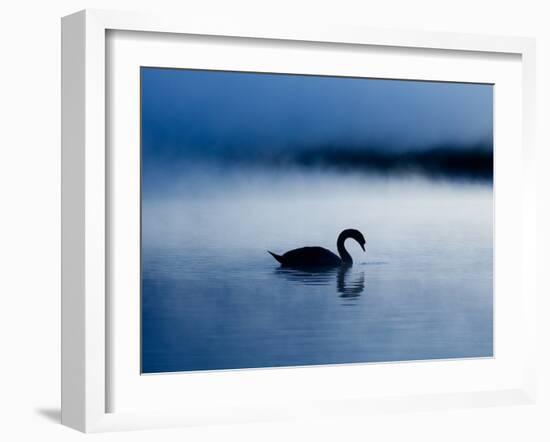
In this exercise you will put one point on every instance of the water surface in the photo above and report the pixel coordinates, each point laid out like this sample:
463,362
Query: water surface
213,298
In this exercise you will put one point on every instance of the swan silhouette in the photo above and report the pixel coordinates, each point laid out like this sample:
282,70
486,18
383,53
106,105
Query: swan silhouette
307,257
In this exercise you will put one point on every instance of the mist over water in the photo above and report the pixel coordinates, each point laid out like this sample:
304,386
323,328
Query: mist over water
213,298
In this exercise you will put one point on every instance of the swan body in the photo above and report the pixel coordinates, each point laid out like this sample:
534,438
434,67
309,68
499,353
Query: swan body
306,257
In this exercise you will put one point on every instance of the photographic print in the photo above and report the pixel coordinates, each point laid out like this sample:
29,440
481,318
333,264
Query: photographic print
300,220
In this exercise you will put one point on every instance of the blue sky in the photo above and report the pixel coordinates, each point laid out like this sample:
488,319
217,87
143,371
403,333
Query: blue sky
189,114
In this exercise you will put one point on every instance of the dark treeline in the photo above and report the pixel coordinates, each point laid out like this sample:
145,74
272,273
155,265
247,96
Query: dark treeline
474,162
441,162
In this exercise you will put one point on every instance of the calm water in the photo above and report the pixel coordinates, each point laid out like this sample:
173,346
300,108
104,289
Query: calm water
212,298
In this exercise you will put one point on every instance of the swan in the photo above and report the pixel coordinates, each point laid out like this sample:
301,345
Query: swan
319,256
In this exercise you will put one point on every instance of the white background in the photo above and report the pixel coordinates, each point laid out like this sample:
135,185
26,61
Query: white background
30,219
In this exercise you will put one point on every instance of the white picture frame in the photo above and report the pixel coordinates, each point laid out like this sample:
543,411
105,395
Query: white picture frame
86,202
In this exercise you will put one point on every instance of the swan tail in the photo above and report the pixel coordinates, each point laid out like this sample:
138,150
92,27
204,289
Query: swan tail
277,257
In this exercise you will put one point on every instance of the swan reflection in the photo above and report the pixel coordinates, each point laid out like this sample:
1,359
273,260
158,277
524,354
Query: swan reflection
349,284
349,287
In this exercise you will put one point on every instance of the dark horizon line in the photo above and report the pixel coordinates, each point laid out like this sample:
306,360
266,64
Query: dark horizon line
444,161
475,162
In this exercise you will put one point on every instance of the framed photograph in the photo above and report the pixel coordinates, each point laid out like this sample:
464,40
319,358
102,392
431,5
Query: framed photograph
263,222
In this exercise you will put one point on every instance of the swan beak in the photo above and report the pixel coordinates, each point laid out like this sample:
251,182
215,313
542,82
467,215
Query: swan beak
363,247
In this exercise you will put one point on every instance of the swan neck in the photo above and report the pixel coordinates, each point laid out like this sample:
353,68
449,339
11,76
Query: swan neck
344,255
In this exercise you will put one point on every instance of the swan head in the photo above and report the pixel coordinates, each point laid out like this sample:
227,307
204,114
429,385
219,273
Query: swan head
354,234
